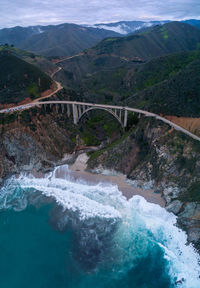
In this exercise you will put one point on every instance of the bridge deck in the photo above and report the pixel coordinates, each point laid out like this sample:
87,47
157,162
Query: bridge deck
146,113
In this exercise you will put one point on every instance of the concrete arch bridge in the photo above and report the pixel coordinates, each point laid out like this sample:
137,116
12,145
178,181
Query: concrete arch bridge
78,109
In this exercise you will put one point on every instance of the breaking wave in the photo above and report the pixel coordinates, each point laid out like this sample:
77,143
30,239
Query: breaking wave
115,237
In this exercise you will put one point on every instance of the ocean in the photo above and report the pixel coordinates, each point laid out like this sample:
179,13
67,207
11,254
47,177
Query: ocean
67,233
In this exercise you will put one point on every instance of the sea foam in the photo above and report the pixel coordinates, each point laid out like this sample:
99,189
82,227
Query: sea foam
142,225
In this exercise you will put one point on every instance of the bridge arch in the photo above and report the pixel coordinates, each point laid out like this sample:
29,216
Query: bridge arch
105,109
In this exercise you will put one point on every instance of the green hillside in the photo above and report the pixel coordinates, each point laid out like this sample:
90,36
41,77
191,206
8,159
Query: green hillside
54,40
41,62
87,65
65,40
179,95
160,40
154,85
19,79
134,50
16,35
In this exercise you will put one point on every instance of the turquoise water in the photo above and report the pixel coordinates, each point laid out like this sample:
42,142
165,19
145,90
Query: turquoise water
65,233
32,253
35,255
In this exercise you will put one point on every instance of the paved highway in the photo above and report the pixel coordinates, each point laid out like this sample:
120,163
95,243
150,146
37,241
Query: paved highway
146,113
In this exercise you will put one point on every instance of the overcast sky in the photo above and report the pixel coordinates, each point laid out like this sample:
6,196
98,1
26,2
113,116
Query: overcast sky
34,12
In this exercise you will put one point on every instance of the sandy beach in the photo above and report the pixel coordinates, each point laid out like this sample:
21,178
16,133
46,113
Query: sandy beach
78,171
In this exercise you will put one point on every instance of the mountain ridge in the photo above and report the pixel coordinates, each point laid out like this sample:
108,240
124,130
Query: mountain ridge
68,39
129,27
134,49
54,40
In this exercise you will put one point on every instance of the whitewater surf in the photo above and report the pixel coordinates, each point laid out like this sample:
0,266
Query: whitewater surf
103,239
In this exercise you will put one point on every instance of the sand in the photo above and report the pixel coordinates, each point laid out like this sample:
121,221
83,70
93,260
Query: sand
78,171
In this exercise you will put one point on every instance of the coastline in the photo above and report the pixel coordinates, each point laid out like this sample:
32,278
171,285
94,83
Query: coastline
78,171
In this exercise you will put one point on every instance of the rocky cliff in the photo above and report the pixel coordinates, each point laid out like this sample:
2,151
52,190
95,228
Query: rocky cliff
39,138
34,140
151,154
154,155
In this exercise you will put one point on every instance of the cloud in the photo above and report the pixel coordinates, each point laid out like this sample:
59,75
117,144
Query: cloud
43,12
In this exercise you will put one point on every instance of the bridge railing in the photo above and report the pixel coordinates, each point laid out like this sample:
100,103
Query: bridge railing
121,116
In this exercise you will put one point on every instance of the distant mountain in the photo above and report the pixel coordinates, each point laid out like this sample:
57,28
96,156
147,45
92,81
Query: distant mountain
128,27
114,52
193,22
149,70
59,40
159,40
20,80
17,35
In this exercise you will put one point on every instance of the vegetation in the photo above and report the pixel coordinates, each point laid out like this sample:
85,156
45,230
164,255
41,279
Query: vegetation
140,70
19,80
99,127
134,49
146,85
178,95
59,40
41,62
7,118
178,37
95,155
192,194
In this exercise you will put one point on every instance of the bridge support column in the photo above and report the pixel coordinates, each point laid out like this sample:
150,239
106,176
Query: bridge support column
57,108
68,110
63,108
120,114
79,111
75,113
125,118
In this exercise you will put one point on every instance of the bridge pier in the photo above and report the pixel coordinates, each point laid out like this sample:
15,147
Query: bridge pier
125,118
84,108
62,108
79,111
120,114
57,108
75,113
68,110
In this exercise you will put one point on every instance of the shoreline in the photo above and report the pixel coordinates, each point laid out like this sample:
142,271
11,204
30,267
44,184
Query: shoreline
78,171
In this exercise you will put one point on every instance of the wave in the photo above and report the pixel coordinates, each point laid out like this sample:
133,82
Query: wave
113,232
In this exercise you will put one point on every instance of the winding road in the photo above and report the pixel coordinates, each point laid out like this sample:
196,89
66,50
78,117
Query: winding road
93,106
58,85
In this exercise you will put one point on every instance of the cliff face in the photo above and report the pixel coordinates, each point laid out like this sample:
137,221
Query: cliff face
34,140
150,154
38,138
154,155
